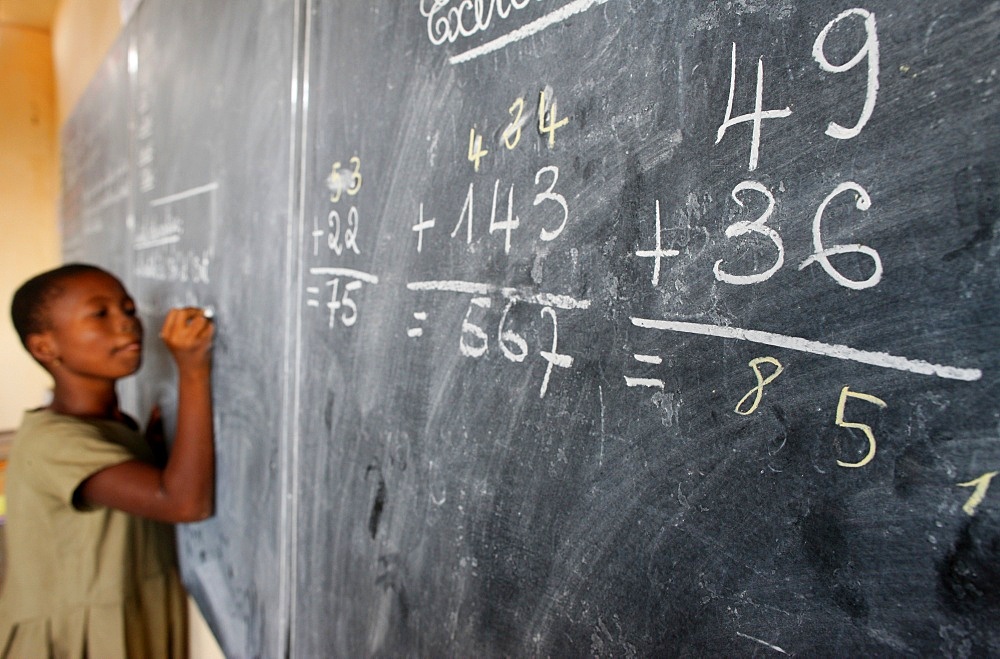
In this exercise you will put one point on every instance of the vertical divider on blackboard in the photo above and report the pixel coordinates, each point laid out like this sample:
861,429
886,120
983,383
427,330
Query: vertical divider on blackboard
293,321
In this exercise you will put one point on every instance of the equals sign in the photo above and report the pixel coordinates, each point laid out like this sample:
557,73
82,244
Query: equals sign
645,382
312,290
415,332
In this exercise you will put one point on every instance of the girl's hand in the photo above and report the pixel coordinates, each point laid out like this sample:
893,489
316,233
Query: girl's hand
188,334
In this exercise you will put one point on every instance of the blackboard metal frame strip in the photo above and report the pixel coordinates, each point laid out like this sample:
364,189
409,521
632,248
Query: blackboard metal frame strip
289,441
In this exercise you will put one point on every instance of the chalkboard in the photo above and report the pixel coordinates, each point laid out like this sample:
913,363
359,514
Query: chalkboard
586,327
96,204
207,136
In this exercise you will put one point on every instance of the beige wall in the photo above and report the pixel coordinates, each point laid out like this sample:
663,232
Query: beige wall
28,194
82,33
42,76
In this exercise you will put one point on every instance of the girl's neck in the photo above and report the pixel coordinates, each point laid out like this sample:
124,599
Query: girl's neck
99,403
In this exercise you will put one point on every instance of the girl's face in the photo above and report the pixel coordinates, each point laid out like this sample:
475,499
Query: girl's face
95,332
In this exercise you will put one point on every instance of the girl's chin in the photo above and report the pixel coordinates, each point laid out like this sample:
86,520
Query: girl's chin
131,364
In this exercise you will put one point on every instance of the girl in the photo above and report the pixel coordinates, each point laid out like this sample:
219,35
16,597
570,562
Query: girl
92,568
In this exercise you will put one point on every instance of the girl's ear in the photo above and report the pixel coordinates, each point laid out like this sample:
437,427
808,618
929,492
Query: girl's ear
42,347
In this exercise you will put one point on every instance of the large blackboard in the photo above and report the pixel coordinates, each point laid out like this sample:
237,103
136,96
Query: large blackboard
583,327
206,134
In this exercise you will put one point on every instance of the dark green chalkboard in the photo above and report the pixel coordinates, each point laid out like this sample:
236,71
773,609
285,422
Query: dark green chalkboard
589,328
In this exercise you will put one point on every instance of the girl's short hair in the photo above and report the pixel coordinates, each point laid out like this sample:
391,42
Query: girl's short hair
29,309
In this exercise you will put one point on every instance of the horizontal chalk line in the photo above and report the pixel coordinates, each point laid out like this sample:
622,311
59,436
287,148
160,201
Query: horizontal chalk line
643,382
473,288
156,242
881,359
186,194
534,27
347,273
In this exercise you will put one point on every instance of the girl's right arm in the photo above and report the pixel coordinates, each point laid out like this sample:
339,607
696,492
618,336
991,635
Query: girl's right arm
184,489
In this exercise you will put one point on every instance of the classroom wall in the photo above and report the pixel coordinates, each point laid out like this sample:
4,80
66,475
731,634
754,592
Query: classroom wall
82,33
42,74
28,199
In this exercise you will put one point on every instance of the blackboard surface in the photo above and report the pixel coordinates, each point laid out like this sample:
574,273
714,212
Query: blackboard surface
584,327
96,205
214,90
207,137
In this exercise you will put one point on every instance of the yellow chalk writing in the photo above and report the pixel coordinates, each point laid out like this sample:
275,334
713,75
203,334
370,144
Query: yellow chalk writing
981,484
846,393
758,391
476,150
547,119
335,181
512,134
355,176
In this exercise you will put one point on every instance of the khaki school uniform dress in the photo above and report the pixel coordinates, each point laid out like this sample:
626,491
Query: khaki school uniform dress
95,583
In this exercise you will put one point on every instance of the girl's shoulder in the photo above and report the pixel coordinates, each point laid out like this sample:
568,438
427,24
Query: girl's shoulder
45,421
54,452
47,433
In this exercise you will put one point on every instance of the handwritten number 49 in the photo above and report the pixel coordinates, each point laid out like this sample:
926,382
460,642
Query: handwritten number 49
868,52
